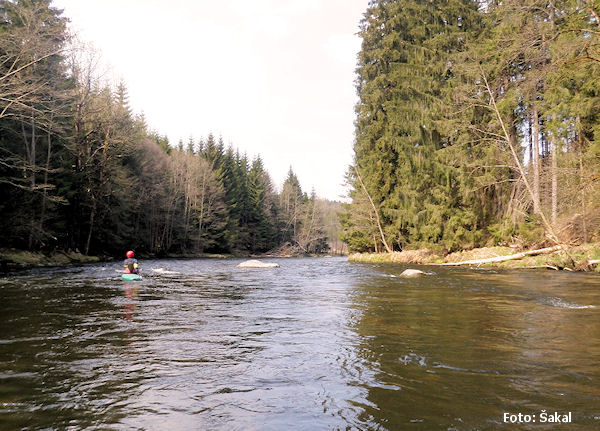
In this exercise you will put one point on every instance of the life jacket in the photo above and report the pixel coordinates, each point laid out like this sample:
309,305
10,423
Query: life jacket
131,266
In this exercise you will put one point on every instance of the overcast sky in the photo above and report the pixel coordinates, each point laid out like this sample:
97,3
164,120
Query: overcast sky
273,77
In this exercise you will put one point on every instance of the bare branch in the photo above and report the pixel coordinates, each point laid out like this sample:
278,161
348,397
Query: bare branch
385,244
549,228
31,63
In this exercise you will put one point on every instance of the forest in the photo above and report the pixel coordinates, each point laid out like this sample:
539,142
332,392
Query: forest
476,125
80,171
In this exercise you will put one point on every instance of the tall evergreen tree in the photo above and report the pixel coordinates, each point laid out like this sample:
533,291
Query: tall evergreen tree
404,74
262,214
291,202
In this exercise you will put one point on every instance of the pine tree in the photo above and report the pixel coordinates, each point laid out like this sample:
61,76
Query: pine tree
262,213
404,73
291,201
122,96
213,152
228,176
191,146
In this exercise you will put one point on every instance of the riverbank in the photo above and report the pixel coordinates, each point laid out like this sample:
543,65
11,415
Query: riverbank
20,259
13,259
554,260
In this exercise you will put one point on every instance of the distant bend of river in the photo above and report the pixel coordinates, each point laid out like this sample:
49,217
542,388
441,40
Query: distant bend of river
318,343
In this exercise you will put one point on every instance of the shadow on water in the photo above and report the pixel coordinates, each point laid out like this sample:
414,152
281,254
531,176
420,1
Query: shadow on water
315,344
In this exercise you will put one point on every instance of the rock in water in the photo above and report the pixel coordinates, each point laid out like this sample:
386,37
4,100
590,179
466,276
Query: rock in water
412,273
258,264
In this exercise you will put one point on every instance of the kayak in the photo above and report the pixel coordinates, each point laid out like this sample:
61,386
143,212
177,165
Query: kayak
131,277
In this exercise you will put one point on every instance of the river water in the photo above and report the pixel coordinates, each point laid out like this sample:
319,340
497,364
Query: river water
315,344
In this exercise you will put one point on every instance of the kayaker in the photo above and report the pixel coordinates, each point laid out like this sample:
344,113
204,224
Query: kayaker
131,265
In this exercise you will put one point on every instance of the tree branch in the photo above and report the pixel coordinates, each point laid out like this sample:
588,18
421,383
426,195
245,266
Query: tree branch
385,244
31,63
549,228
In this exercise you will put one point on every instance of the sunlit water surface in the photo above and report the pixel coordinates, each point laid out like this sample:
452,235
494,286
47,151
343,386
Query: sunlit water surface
315,344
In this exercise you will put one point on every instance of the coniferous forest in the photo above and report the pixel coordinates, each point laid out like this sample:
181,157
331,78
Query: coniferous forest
476,125
79,171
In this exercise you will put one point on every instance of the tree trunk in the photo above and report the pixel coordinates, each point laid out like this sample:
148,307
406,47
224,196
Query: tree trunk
521,170
554,173
385,244
45,193
33,155
530,128
582,182
536,159
92,216
32,166
504,258
203,204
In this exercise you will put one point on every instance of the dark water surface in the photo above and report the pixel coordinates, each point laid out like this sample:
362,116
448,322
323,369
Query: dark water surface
315,344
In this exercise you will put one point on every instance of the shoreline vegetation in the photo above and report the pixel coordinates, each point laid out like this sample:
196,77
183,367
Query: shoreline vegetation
13,259
481,146
586,257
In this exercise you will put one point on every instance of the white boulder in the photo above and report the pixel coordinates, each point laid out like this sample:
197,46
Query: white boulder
258,264
412,273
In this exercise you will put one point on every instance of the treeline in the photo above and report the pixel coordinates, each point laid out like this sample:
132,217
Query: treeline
476,124
80,171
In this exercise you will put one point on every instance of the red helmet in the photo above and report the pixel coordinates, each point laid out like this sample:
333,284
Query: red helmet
129,254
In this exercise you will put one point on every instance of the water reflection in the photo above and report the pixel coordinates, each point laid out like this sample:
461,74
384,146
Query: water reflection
457,350
131,293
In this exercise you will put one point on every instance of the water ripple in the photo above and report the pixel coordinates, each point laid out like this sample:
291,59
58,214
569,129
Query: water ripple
317,344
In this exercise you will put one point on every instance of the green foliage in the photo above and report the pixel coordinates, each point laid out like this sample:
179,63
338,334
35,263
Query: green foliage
404,77
302,219
79,171
499,232
436,157
529,231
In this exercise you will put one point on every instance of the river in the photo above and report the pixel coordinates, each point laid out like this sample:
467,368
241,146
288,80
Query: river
318,343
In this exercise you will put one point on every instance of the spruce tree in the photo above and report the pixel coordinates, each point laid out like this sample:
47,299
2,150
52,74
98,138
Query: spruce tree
404,73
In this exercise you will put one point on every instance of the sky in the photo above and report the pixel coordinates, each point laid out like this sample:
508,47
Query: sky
273,78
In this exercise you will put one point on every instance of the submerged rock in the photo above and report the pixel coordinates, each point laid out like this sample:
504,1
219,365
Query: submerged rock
412,273
258,264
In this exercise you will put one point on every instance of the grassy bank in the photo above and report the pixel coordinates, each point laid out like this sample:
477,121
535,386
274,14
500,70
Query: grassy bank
556,260
18,259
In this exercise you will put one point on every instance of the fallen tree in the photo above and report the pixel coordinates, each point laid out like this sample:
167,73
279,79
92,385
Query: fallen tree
504,258
587,264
